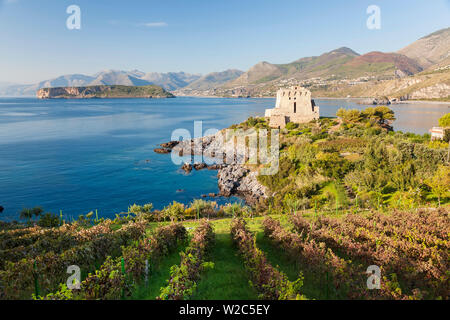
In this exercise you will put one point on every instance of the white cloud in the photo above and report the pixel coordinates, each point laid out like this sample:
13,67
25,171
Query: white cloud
154,24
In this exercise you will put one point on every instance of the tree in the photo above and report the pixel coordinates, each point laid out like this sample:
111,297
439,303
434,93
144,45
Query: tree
203,207
352,115
26,213
384,114
174,211
445,121
404,176
381,114
291,202
440,182
49,220
37,211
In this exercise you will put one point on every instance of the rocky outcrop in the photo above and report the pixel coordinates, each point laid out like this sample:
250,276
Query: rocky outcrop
170,144
115,91
187,167
376,101
162,150
200,166
234,179
166,147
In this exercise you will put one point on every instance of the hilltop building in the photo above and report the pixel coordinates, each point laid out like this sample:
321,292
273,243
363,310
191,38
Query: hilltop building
293,104
437,133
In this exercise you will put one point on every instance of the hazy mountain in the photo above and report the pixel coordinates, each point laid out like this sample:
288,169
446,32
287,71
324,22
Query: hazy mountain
172,80
72,80
169,81
6,84
214,79
429,50
113,77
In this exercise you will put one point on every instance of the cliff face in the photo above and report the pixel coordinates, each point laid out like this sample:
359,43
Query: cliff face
150,91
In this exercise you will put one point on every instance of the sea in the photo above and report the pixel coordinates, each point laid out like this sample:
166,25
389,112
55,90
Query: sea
77,156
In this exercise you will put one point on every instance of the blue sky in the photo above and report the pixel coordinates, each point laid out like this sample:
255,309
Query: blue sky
197,36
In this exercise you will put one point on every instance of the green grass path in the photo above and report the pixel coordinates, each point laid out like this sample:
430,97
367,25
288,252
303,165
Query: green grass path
228,280
158,277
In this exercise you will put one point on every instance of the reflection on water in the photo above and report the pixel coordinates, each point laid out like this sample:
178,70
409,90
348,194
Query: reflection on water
82,155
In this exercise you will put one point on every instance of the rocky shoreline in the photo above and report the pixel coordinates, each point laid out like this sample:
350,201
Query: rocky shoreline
234,179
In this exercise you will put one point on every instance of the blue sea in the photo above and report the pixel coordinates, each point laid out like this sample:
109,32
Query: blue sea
77,156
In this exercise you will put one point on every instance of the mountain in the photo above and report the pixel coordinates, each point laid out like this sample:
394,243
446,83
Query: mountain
429,50
214,79
113,77
172,80
379,63
300,69
340,63
169,81
71,80
263,71
327,74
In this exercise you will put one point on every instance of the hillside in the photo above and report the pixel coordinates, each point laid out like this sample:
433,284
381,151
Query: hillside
429,50
103,91
379,63
423,86
300,69
337,64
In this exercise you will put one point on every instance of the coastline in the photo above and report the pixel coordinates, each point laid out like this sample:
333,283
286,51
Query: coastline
321,98
234,179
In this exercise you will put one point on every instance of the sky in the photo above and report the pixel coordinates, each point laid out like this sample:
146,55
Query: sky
198,36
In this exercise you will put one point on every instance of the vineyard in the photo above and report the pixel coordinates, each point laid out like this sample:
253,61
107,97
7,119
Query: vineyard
292,256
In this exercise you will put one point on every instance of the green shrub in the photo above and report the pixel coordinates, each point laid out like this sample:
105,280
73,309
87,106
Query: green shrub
49,220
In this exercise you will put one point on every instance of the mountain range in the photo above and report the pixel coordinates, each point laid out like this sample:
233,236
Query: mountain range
342,66
169,81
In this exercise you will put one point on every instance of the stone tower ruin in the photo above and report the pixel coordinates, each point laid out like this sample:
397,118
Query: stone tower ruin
293,104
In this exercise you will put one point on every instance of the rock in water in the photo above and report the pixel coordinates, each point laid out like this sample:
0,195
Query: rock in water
169,145
233,179
199,166
187,167
162,150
